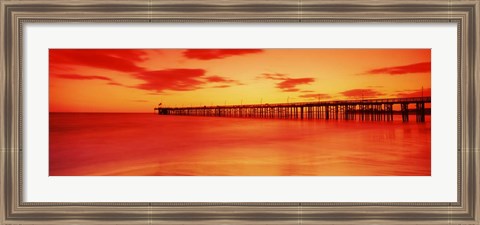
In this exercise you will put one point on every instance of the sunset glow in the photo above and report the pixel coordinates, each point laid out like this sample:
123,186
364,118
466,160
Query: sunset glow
136,80
216,112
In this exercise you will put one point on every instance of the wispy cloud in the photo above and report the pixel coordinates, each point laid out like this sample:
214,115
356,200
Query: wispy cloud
181,79
82,77
362,93
273,76
219,79
222,86
171,79
115,83
416,93
209,54
423,67
123,60
316,96
290,84
79,77
286,83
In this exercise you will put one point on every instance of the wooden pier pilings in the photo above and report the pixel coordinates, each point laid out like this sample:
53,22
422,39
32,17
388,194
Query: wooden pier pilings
367,110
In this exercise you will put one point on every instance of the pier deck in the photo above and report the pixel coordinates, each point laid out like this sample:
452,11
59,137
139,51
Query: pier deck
368,109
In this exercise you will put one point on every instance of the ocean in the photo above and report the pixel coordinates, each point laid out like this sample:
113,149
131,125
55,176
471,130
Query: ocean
147,144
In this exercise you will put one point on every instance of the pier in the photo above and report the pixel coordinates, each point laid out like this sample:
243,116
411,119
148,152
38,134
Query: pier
366,110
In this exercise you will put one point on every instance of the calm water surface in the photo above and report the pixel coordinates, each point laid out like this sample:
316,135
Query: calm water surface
150,144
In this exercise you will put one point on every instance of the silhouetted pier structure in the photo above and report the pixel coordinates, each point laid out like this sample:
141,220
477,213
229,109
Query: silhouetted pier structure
368,109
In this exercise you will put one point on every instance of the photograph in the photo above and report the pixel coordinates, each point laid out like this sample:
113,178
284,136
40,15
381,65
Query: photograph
239,112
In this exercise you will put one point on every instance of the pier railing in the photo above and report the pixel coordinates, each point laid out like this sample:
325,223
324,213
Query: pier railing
364,109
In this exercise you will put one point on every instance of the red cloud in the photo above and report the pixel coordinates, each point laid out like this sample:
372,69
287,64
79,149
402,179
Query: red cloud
423,67
219,79
362,93
123,60
82,77
316,96
171,79
208,54
290,90
168,79
417,93
287,84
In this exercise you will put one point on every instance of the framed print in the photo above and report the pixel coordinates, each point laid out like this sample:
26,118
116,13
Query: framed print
227,144
178,112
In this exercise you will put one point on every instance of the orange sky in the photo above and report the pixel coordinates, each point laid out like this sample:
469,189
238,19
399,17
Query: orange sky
136,80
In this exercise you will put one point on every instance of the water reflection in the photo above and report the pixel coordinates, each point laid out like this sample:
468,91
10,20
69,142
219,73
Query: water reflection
148,144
